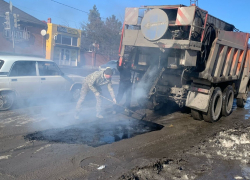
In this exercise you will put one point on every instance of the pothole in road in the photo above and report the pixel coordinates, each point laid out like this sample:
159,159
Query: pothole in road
95,134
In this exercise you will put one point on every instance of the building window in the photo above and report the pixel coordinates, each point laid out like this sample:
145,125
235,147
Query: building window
58,39
66,40
74,41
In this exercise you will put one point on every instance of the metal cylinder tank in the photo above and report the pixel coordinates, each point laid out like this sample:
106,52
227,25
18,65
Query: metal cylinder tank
154,24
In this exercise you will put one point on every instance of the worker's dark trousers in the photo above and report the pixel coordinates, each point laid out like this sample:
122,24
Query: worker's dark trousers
125,87
84,91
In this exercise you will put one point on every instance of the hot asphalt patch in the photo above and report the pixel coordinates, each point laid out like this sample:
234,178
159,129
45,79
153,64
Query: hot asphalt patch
95,133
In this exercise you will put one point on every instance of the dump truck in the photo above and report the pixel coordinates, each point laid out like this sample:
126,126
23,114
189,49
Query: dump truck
185,55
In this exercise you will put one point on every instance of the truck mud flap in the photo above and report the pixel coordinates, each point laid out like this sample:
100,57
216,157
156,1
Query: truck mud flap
198,100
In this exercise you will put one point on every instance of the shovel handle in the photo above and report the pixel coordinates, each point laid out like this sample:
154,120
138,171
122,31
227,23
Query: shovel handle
143,115
107,99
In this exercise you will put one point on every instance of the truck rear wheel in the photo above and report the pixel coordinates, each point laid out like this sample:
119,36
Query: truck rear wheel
227,100
215,106
197,115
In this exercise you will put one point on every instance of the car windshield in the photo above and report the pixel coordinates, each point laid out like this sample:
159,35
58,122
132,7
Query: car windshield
1,63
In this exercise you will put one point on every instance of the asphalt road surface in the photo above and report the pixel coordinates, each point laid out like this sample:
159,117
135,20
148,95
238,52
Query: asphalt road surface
44,141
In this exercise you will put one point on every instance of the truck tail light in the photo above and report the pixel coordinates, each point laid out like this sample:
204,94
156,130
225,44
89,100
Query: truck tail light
202,90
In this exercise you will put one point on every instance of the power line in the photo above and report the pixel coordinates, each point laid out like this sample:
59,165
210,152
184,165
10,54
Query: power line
70,7
73,8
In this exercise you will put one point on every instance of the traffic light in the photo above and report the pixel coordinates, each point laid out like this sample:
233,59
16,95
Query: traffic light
7,21
16,20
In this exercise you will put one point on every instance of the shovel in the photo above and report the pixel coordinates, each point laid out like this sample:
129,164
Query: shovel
142,115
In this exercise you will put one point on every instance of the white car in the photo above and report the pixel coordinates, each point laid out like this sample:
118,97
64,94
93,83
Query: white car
111,64
24,77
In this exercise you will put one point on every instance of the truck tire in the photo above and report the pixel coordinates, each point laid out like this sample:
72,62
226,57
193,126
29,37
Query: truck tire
215,106
197,115
227,100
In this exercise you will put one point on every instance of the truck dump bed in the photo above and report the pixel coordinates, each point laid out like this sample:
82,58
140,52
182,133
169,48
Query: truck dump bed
226,57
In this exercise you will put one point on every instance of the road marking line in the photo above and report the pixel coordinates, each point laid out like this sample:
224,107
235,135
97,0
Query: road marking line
5,157
48,145
23,145
25,122
19,154
19,147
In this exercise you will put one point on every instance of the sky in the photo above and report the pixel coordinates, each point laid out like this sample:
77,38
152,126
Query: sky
231,11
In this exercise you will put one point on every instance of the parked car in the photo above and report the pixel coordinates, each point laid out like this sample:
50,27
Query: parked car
112,64
29,77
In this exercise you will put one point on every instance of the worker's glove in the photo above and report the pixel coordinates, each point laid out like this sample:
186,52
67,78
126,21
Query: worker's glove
97,94
114,100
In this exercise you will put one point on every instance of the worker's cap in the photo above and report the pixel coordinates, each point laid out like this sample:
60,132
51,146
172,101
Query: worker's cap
108,71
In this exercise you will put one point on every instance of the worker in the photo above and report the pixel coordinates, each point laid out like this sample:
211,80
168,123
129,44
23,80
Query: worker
125,85
93,82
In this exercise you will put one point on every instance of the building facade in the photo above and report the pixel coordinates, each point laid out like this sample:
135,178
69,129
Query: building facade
63,44
93,59
20,33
